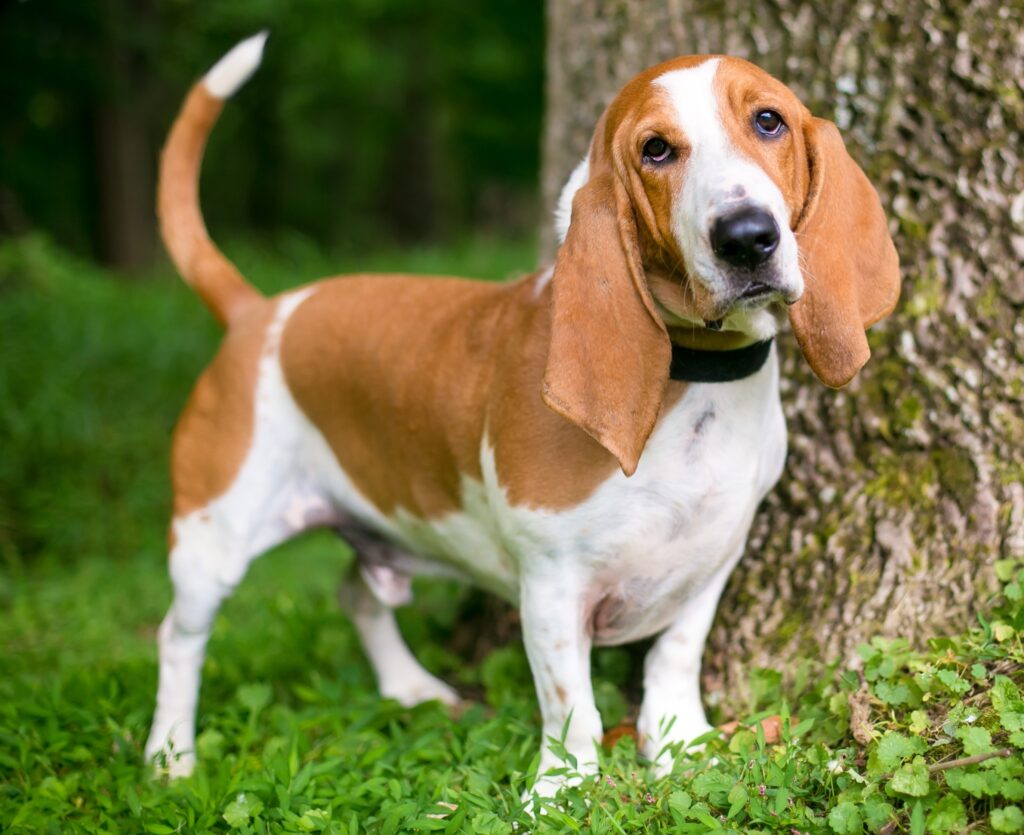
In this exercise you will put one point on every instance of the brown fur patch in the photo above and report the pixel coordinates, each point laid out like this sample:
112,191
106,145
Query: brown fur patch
393,370
851,269
403,375
200,262
215,429
543,460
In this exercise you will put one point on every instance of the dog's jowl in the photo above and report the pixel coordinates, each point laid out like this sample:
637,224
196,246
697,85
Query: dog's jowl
590,442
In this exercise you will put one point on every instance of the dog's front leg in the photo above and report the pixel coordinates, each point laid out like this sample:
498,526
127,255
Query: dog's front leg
558,646
672,711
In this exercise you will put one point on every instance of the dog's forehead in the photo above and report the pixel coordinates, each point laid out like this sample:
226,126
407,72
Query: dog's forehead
695,87
693,99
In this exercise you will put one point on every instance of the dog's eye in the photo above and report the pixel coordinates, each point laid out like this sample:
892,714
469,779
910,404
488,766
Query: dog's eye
657,150
768,123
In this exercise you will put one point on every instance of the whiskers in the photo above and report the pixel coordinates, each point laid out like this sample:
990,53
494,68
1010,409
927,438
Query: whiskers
801,260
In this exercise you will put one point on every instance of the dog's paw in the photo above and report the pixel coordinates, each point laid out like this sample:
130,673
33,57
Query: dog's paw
170,765
170,751
544,791
553,775
413,691
181,765
659,749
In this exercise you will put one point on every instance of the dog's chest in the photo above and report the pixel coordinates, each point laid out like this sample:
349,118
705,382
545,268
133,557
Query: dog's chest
638,547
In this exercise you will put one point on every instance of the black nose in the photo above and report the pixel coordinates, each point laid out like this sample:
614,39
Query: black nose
745,238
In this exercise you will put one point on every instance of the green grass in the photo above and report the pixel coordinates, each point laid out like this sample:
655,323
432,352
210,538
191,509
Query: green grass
292,737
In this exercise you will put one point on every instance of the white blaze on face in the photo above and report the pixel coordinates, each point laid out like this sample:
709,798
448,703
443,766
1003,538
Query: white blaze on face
719,179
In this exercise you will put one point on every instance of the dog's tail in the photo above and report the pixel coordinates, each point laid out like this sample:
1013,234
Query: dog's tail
204,267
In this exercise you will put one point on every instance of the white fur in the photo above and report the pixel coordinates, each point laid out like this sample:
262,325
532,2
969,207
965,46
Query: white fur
662,541
672,711
563,210
236,67
542,280
399,674
718,179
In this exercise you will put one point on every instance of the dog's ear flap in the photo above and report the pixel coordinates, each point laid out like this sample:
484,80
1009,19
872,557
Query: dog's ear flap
849,263
609,356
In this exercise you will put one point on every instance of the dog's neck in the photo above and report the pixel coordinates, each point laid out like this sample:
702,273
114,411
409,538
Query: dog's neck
705,355
692,365
699,338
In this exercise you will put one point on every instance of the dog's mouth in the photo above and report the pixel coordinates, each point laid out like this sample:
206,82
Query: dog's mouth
754,296
727,306
756,290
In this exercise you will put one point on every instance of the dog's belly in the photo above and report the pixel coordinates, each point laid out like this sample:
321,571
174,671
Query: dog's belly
643,546
638,547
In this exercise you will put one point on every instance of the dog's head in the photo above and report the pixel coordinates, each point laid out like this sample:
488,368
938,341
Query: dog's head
710,198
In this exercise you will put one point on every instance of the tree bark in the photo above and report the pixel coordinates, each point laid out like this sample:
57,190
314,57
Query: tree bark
902,490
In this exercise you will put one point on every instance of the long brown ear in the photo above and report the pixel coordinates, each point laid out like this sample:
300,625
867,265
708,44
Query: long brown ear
850,267
609,356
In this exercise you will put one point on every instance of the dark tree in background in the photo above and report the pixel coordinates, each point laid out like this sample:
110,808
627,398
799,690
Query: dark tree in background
901,491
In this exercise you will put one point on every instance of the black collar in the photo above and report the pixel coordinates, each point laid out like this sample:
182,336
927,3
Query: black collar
690,365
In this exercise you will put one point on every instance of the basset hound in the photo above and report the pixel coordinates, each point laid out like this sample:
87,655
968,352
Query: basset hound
590,442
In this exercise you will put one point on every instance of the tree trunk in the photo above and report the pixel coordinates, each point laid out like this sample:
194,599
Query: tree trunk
124,168
901,491
125,175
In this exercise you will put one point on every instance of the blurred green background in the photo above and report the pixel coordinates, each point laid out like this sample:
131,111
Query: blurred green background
370,120
377,135
385,135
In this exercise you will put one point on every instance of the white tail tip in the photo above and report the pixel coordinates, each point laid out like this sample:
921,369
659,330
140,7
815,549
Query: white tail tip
235,68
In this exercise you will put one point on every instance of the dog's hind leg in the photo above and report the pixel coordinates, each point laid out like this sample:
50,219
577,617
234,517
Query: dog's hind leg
213,550
204,573
369,596
233,501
